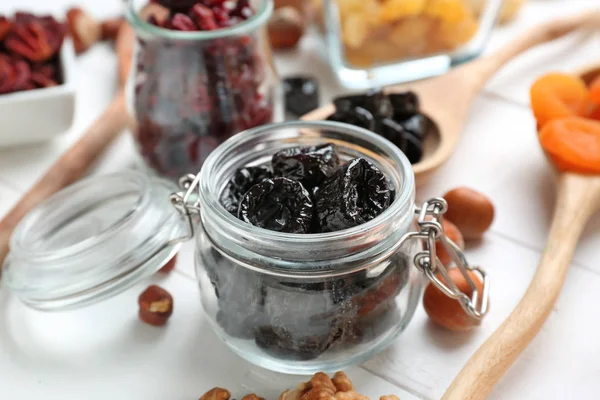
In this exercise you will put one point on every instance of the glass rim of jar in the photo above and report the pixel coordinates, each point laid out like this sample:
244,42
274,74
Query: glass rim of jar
209,194
260,17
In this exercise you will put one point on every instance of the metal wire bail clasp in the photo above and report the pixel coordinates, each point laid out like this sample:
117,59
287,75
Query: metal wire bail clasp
431,230
187,201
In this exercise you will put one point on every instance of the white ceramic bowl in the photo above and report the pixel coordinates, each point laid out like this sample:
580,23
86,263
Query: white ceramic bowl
41,114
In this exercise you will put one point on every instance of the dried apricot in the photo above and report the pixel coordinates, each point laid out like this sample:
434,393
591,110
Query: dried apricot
594,113
573,144
452,11
595,91
556,95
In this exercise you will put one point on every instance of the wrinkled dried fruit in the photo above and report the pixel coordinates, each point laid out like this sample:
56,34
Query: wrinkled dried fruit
356,193
5,27
446,311
169,266
357,116
216,394
471,211
278,204
556,95
301,94
418,125
110,28
285,28
573,144
240,183
404,104
252,396
204,17
83,28
35,38
181,22
156,305
594,89
283,343
374,101
389,397
392,131
309,165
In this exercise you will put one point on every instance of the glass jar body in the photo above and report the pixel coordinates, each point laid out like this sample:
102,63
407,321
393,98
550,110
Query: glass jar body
190,91
306,303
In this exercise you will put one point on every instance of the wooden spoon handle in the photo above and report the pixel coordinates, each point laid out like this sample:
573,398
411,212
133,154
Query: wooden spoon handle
578,198
485,67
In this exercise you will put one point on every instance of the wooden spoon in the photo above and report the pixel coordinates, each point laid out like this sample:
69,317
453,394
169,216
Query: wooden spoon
446,99
578,199
77,159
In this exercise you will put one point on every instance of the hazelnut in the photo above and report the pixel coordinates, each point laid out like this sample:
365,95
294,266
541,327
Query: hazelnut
341,382
83,28
216,394
169,266
110,28
285,28
156,305
448,312
472,212
452,232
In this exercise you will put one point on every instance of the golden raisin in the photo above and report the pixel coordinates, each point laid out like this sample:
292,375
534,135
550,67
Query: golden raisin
393,10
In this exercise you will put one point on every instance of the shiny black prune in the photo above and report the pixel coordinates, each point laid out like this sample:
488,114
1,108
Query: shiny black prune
356,116
418,125
392,131
240,183
356,193
278,204
309,165
404,104
414,149
374,101
301,95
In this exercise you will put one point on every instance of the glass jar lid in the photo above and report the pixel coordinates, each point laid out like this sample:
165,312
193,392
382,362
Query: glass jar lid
93,240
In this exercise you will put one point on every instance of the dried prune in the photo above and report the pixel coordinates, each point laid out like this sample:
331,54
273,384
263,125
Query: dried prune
309,165
240,183
392,131
404,104
301,94
414,149
278,204
357,116
374,101
356,193
417,124
281,343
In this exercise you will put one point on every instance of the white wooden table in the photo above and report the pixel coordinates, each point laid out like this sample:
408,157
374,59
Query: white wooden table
103,351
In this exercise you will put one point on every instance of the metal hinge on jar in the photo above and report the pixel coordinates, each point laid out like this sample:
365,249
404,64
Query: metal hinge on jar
429,221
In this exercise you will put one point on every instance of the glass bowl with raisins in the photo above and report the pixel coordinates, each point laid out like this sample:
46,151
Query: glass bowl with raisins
296,256
203,72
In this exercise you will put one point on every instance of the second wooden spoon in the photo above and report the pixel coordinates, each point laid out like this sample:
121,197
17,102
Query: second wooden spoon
446,99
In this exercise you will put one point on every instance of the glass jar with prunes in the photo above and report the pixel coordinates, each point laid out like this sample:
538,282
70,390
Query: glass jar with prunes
305,253
202,73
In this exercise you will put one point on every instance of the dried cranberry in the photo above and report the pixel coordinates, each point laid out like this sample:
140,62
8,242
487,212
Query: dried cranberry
278,204
309,165
7,74
243,10
357,116
35,40
204,17
22,75
240,183
355,194
181,22
5,27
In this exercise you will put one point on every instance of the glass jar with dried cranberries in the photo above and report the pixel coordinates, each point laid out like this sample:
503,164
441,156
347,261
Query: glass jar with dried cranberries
203,72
